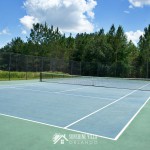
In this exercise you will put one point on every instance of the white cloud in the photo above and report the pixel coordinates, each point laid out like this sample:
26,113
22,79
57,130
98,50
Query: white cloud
139,3
127,12
134,36
5,32
69,15
130,6
24,32
28,21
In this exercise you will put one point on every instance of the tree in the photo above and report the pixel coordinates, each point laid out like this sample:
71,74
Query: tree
45,41
15,46
111,47
132,61
144,47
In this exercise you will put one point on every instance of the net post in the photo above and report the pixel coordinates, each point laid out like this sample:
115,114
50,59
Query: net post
92,81
40,76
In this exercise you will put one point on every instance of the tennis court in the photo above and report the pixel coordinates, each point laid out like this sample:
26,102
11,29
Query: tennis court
104,107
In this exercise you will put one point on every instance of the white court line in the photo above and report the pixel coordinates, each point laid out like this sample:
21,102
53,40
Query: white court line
75,122
69,90
75,89
7,87
41,123
35,84
23,84
121,132
90,133
76,95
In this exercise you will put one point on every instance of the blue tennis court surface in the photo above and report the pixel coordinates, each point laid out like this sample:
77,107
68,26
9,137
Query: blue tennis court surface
105,112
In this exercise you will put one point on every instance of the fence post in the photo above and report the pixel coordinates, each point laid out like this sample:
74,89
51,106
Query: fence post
9,65
147,70
71,67
42,65
26,67
49,65
97,69
80,68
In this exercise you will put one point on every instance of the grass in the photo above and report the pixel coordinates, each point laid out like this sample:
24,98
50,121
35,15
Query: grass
15,75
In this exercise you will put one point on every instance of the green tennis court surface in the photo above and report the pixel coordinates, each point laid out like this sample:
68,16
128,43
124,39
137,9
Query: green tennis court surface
32,113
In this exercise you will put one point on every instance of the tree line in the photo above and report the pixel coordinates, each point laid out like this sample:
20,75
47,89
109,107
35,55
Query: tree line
111,50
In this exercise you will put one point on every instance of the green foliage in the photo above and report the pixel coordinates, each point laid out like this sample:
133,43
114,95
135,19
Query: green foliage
16,46
4,75
110,49
144,47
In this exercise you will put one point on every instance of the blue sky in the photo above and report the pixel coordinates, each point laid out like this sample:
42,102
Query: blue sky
17,16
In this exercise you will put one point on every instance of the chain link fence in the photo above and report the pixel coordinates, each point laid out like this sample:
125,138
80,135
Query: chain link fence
17,66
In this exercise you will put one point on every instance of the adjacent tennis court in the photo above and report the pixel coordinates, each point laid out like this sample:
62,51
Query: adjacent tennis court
104,111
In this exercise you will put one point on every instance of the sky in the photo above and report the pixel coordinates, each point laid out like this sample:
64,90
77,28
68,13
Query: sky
73,16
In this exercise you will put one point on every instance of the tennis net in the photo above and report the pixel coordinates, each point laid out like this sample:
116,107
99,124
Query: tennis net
107,82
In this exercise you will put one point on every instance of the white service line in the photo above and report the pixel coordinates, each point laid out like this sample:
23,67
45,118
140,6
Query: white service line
22,85
35,84
120,133
70,90
63,93
41,123
75,122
